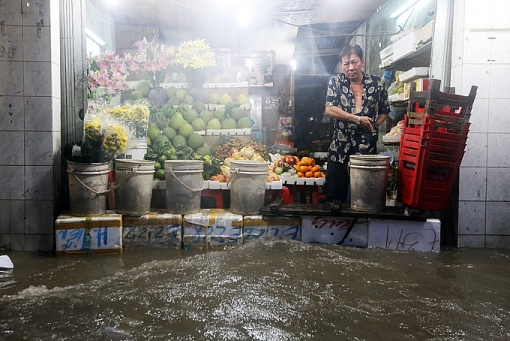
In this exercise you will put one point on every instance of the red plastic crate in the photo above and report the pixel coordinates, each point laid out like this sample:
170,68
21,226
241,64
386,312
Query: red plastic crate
427,186
448,101
438,123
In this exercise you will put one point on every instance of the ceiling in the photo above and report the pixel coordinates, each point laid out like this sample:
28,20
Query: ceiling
187,14
310,31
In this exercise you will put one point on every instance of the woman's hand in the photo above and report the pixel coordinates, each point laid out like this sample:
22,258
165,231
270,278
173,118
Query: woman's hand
366,123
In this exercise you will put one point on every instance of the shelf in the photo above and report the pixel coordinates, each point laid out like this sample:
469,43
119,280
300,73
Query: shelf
417,58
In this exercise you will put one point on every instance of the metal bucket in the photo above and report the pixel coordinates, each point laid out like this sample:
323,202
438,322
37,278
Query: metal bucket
88,186
133,186
184,185
369,180
247,186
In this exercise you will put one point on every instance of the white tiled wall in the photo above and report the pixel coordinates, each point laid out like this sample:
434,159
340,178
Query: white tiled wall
481,56
29,123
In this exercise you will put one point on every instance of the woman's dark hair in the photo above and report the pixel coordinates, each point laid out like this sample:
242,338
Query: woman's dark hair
347,50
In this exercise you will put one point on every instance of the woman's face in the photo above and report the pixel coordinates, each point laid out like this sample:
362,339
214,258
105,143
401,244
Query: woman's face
352,67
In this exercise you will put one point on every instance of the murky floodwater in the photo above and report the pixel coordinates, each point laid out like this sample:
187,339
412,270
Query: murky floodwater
271,290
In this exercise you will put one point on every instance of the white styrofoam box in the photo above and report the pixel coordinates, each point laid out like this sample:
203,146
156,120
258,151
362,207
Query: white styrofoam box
135,153
303,181
214,107
133,84
331,230
406,44
224,185
405,235
226,85
386,61
258,226
156,229
397,97
217,132
274,184
426,32
386,52
212,228
97,234
412,74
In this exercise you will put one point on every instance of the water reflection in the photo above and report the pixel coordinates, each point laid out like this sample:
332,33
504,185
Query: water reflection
266,290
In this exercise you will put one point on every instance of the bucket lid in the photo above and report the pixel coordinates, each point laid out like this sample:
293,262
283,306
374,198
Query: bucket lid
88,167
369,159
184,165
129,164
247,165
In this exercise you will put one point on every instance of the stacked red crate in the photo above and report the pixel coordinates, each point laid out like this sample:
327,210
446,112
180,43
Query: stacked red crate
432,146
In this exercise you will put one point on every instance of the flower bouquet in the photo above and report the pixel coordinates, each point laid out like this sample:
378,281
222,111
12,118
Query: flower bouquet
194,56
134,117
106,75
151,58
103,138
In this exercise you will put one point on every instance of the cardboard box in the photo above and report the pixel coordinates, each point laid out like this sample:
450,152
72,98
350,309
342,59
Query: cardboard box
257,227
405,235
156,229
97,234
217,229
331,230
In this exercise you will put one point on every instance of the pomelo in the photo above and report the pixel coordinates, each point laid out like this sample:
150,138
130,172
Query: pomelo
206,115
190,115
204,150
220,114
198,124
228,123
186,130
195,141
176,121
169,132
179,140
244,122
225,98
199,106
214,124
153,132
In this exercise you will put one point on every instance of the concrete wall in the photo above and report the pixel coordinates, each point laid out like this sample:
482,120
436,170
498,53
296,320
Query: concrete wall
481,56
29,123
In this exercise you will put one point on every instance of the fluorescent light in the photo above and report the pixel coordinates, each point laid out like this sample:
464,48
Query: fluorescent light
94,37
403,8
293,64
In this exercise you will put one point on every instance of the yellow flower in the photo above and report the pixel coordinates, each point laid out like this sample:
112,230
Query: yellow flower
194,54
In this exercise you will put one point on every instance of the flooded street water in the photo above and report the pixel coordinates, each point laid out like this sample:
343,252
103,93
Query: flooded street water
265,290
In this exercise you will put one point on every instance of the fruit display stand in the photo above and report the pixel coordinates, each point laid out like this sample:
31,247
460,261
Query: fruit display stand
217,191
307,188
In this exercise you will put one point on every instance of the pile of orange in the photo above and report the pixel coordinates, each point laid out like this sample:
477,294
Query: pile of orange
306,168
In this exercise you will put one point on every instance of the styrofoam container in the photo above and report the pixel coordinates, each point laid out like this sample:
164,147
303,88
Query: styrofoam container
259,227
406,44
217,132
216,229
97,234
331,230
156,229
414,73
405,235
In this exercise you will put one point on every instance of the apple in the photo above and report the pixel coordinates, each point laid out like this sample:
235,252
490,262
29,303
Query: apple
290,159
278,170
232,151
